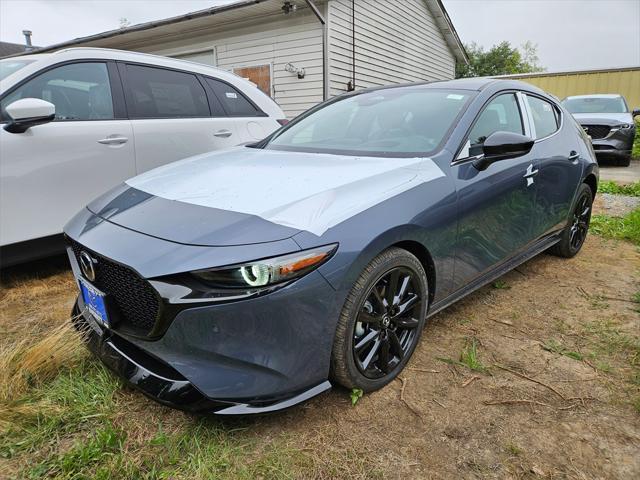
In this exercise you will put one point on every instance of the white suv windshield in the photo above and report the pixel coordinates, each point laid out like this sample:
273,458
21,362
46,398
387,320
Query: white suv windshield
595,105
7,67
395,122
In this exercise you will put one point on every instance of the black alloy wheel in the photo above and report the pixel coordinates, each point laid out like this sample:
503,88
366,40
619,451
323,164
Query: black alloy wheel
580,224
381,321
575,233
385,328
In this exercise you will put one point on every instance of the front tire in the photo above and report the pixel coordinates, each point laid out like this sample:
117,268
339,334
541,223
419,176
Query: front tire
381,321
575,233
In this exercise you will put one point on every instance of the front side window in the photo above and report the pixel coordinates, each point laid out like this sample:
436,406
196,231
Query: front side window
234,102
545,116
159,93
394,122
502,114
595,105
79,91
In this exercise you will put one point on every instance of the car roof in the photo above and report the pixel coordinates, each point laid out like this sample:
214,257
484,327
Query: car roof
596,95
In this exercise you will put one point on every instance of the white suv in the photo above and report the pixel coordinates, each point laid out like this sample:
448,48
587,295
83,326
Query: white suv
78,122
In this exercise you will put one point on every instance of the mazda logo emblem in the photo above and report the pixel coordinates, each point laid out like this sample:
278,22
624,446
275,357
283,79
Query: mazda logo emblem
86,265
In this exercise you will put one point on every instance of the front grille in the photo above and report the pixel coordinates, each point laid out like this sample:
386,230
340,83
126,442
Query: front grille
137,302
597,131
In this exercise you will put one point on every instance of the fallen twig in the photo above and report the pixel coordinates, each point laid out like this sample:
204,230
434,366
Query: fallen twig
516,402
436,401
425,370
413,410
470,381
522,375
504,322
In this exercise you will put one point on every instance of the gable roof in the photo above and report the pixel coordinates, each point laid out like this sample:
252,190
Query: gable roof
234,12
8,48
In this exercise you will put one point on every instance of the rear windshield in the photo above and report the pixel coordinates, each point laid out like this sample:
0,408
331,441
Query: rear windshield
595,105
7,67
395,122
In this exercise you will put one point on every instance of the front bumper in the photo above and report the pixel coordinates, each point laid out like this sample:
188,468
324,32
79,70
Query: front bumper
617,144
161,382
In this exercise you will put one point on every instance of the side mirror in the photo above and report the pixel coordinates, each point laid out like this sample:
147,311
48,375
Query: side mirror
636,112
501,146
28,112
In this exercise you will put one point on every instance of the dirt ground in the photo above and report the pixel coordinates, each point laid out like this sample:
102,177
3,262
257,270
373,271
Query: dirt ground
556,393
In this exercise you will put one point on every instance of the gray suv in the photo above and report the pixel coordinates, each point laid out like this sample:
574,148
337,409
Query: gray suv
608,121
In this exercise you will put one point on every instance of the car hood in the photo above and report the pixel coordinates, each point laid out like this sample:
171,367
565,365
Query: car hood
603,118
248,195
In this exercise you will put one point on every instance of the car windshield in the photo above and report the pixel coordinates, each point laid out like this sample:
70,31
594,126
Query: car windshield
7,67
395,122
595,105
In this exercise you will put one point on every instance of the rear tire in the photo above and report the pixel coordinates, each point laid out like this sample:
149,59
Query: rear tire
575,232
381,321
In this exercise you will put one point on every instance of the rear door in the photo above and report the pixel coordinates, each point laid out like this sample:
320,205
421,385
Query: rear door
556,156
248,120
496,204
51,171
172,116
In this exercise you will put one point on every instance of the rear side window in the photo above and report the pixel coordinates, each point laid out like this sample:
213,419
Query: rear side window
502,114
545,116
234,102
79,91
159,93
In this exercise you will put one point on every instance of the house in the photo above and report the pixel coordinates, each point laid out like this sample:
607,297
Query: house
301,52
7,49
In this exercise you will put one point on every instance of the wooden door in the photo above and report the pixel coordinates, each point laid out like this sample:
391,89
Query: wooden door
260,75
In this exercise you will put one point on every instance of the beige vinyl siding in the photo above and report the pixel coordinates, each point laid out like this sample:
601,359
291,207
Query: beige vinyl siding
275,41
396,42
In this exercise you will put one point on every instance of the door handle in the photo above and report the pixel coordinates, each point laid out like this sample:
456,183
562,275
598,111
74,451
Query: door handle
223,133
573,155
113,140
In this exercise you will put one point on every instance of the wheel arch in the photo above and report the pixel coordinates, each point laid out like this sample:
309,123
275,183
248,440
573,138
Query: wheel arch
592,181
408,237
422,253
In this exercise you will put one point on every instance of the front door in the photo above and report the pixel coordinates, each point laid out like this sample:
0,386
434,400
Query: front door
51,171
495,205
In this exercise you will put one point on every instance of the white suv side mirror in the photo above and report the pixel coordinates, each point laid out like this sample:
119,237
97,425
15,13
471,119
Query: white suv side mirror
28,112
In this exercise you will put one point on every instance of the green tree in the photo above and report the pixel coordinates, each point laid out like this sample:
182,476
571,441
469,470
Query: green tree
500,59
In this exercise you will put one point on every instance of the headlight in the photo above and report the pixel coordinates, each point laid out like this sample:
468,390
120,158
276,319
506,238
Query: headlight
623,126
267,272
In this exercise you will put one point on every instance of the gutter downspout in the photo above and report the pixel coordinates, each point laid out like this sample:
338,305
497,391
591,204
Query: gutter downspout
351,86
323,22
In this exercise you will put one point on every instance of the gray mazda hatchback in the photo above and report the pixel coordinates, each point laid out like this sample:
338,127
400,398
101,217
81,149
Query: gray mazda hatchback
252,279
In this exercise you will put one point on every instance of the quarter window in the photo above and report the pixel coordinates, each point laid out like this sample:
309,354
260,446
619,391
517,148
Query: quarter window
235,103
160,93
545,116
502,114
79,91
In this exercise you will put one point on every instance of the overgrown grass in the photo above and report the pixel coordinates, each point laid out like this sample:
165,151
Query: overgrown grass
621,228
631,189
469,357
64,416
636,143
203,450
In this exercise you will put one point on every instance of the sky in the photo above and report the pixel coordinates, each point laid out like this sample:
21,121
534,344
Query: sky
569,34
